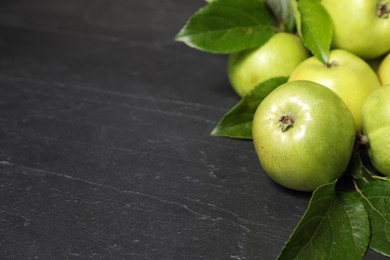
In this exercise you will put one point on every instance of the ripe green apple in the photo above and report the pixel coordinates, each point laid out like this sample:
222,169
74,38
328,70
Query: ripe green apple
384,70
376,126
361,27
346,74
303,134
277,57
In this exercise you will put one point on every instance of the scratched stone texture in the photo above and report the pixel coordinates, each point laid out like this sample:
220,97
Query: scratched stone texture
105,146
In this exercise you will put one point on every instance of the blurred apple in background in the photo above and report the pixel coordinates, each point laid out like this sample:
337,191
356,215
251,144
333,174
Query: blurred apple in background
279,56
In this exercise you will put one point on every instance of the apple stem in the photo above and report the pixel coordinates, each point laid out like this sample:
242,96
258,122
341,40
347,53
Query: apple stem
361,139
383,10
285,122
331,64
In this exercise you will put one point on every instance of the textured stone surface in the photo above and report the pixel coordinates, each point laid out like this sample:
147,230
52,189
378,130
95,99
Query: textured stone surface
105,150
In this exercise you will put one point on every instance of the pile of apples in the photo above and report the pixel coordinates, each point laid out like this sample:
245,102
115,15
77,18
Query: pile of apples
305,131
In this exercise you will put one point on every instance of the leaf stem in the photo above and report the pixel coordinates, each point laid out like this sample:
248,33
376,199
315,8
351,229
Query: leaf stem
380,178
356,187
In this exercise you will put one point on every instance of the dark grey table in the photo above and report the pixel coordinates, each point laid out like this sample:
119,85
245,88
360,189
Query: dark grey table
105,150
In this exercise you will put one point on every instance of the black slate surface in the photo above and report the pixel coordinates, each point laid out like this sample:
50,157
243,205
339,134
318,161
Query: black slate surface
105,150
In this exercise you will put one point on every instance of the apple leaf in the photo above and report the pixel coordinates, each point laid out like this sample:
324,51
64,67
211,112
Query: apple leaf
359,221
283,13
227,26
237,123
315,27
358,170
297,15
355,165
334,226
376,198
364,176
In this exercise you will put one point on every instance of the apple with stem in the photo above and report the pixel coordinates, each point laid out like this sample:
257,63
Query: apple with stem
303,134
346,74
361,27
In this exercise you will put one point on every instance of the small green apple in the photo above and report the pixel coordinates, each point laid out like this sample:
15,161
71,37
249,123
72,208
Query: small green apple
384,70
277,57
346,74
303,134
361,27
376,126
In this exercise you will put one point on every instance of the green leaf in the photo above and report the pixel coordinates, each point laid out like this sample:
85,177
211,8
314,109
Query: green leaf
237,123
376,199
315,28
359,221
365,177
297,15
355,166
357,169
333,227
228,26
284,14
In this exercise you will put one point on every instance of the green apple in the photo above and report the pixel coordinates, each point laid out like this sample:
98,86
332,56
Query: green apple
376,125
346,74
384,70
277,57
303,134
361,27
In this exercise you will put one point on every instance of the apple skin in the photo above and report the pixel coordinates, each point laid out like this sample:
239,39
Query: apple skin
384,70
277,57
358,28
376,125
346,74
316,149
